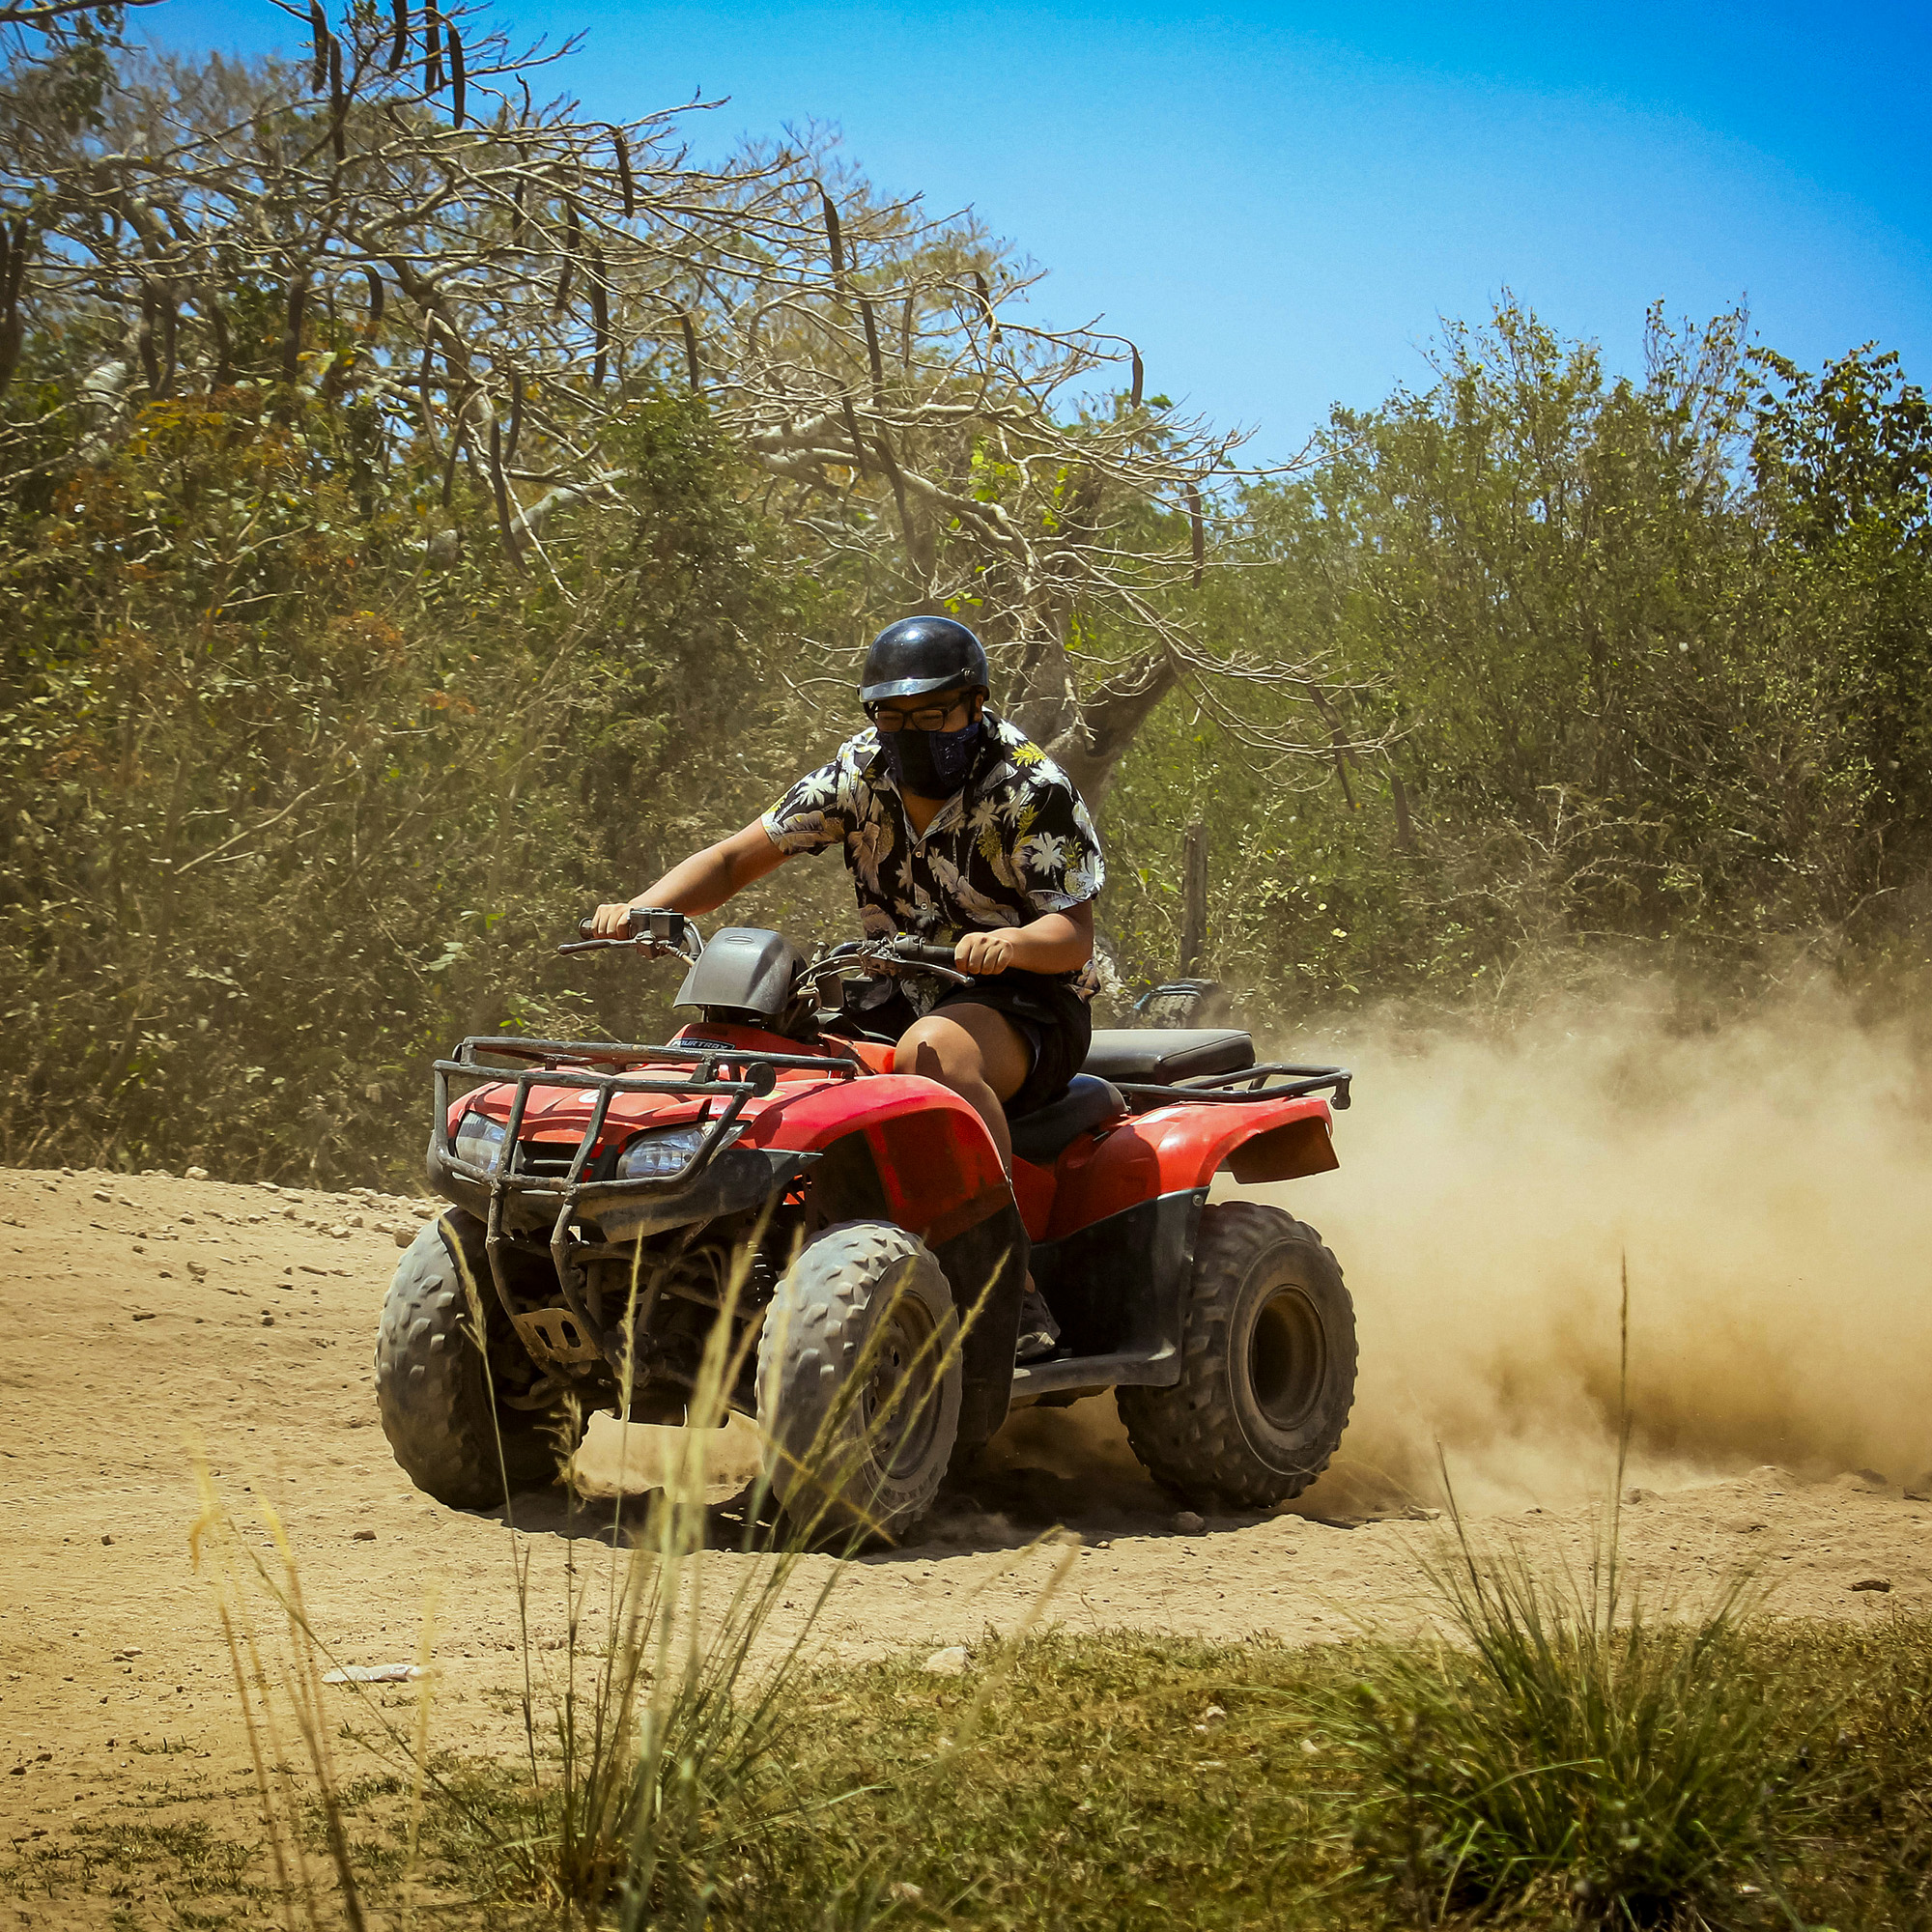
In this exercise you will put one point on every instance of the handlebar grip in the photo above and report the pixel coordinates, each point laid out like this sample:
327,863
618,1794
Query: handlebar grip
915,952
646,922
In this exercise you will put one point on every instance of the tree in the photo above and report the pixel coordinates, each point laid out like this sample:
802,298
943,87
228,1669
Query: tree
1842,464
399,230
61,17
1645,656
284,812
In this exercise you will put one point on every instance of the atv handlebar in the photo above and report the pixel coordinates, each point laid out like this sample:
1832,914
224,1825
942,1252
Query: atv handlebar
653,929
916,952
900,953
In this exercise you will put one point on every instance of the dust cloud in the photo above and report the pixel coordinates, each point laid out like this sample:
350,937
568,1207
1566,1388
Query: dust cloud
1770,1182
618,1459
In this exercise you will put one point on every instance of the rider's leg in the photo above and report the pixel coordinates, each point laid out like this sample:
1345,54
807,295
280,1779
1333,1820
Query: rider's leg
984,1059
977,1052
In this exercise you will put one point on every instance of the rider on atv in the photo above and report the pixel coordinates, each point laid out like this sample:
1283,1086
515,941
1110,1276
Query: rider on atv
893,1260
958,831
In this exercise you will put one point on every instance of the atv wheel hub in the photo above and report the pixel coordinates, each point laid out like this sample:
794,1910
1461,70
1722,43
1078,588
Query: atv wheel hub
1288,1358
897,1407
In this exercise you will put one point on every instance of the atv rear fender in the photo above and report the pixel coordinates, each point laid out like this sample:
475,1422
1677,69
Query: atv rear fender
1177,1149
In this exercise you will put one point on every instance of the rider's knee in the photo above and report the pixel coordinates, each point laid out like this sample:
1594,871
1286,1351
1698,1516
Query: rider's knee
915,1045
930,1051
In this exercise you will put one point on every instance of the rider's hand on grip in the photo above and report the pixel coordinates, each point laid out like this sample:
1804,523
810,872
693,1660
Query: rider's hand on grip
985,953
916,952
619,925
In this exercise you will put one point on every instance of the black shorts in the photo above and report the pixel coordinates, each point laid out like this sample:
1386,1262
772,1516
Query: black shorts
1046,1012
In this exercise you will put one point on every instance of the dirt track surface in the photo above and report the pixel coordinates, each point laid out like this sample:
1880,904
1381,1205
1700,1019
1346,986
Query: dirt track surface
144,1313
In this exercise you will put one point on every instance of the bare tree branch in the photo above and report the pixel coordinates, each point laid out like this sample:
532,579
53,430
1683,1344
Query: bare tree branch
49,12
449,253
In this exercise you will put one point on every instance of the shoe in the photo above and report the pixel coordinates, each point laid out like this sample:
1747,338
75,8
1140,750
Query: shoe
1039,1332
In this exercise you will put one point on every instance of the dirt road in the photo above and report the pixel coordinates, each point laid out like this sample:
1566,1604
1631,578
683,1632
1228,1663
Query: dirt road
145,1314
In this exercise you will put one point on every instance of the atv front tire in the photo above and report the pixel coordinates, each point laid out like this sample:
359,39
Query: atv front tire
449,1437
859,1380
1267,1366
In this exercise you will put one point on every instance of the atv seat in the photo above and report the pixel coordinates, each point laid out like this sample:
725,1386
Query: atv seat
1087,1104
1159,1056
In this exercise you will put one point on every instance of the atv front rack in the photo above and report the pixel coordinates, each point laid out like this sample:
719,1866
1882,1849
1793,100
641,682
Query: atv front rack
572,1064
563,1062
1250,1084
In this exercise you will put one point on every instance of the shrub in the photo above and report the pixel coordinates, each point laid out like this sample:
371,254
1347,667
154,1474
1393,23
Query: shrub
1568,1742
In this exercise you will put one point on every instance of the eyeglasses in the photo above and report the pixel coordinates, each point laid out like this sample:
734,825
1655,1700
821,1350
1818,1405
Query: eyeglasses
928,718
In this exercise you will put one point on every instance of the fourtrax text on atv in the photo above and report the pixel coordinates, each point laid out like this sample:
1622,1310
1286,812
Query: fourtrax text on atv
576,1172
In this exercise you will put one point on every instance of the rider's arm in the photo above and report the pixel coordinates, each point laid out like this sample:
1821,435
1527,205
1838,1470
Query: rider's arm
704,881
1056,942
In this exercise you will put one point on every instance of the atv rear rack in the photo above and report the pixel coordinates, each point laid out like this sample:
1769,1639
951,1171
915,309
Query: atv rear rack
564,1064
1250,1084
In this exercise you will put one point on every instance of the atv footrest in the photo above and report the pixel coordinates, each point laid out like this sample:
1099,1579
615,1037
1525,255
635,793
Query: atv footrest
1098,1372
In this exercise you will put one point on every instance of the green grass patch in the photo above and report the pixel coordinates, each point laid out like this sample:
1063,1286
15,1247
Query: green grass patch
1569,1749
1130,1782
186,1870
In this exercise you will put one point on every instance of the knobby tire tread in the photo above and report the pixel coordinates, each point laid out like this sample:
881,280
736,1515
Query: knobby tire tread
829,1291
1190,1437
431,1390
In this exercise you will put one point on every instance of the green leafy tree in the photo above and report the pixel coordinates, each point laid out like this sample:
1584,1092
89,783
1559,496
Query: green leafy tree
287,812
1643,659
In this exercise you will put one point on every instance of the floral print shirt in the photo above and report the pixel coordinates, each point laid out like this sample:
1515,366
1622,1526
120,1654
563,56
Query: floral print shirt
1014,843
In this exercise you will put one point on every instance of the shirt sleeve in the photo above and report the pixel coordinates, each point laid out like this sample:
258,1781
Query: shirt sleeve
1058,858
817,812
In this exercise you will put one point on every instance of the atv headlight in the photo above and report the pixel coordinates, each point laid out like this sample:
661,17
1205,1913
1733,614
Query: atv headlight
662,1151
479,1141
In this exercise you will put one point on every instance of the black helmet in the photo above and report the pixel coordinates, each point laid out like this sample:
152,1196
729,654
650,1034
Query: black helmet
922,654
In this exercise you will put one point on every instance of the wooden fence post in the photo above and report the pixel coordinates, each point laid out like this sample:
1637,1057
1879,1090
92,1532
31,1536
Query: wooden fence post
1193,899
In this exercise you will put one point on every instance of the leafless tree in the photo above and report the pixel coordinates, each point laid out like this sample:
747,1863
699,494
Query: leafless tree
399,221
905,403
53,15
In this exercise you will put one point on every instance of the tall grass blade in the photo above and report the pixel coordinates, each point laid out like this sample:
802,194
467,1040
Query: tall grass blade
1572,1745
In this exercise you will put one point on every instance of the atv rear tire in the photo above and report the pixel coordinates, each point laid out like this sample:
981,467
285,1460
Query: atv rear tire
1267,1366
859,1380
449,1438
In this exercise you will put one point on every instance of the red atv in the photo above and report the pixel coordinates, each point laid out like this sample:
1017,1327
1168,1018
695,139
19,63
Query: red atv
864,1198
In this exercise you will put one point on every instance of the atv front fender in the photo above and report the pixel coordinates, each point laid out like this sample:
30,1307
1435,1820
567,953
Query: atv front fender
905,1150
936,1168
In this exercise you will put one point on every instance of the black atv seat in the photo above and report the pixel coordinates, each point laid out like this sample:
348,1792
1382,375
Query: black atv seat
1159,1056
1087,1103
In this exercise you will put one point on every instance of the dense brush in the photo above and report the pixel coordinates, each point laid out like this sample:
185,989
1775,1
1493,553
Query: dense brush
1565,1742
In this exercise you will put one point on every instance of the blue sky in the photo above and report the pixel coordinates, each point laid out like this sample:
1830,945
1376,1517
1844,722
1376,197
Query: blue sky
1278,201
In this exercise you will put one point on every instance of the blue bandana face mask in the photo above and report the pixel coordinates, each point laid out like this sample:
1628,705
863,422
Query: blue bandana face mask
931,764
